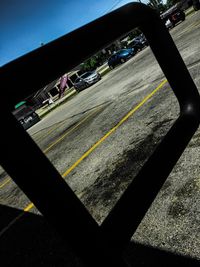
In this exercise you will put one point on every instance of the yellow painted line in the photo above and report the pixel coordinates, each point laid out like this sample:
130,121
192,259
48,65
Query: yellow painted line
130,113
72,129
50,131
190,27
197,23
45,134
5,182
60,139
11,223
29,207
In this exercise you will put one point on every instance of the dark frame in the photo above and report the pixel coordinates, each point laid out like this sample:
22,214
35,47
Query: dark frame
96,245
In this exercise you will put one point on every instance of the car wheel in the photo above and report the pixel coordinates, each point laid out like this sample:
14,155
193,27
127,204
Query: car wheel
122,60
173,24
111,67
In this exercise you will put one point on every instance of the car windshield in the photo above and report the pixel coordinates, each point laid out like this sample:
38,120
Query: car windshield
85,75
122,51
77,80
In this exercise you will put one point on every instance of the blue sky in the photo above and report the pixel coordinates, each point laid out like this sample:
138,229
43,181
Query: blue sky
26,24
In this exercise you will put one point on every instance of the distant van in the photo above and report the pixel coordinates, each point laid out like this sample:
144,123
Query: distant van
26,116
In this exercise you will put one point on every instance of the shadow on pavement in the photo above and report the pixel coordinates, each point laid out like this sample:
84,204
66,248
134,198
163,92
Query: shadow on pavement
31,241
146,256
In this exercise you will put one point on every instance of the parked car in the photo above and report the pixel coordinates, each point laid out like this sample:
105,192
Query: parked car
26,116
172,16
168,24
120,57
86,79
143,39
138,43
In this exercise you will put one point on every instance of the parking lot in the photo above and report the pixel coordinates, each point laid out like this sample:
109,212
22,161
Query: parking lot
98,141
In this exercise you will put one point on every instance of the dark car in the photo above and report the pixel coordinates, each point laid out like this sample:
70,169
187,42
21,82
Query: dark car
138,43
26,116
143,39
120,57
86,79
173,15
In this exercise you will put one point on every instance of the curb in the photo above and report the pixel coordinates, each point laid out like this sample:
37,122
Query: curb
46,109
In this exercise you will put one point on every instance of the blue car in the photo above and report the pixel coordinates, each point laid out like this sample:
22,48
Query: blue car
120,57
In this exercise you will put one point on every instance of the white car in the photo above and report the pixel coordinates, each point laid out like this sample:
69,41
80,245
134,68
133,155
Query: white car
86,79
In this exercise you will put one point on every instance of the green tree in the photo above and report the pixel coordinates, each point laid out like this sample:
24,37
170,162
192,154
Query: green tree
134,33
90,64
157,4
170,3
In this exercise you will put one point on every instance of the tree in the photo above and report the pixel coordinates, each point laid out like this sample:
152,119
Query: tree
171,3
157,4
89,64
134,33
